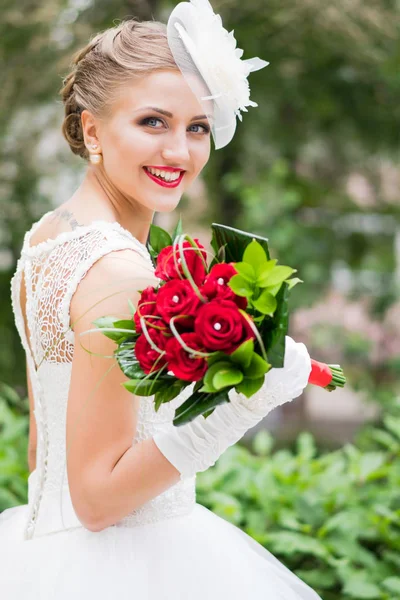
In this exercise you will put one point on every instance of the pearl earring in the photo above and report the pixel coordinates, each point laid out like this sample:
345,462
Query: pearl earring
95,158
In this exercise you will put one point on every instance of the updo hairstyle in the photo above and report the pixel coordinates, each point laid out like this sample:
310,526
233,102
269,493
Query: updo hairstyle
109,61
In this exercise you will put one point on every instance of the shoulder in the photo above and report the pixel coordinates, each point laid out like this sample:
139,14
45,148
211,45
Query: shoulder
115,278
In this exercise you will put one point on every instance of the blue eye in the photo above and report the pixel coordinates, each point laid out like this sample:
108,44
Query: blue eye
146,120
206,129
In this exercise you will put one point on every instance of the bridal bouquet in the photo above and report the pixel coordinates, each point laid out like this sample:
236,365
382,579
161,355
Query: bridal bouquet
221,324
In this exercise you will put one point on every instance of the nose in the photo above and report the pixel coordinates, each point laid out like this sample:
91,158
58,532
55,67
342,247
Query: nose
177,148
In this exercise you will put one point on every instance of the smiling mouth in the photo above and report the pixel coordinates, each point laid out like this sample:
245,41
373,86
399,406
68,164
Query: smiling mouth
163,182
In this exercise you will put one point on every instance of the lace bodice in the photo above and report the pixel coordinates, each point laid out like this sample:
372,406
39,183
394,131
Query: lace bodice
52,271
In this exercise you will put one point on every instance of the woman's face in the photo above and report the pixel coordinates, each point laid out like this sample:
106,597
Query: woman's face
136,137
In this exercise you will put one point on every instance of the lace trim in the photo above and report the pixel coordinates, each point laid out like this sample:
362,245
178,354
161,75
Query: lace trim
50,243
176,501
81,272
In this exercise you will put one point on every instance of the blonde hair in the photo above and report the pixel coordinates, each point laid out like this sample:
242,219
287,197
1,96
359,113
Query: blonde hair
111,58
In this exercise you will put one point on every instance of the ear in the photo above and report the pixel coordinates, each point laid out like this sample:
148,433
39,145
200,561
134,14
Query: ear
90,128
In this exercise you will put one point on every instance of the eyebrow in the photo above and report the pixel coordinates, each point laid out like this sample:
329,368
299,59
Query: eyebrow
169,114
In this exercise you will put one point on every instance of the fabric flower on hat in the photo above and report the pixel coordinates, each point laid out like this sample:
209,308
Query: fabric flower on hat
213,51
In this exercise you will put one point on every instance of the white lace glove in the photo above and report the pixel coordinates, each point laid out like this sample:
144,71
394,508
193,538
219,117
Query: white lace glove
197,445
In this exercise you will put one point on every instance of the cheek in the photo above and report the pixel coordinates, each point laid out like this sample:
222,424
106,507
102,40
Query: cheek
128,141
206,151
201,155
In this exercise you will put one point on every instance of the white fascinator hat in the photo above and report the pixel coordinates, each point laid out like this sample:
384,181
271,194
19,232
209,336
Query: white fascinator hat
207,57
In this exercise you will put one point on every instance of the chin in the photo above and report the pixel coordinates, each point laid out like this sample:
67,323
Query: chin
166,206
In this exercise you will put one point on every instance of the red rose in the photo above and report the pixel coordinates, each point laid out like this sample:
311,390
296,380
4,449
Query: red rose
147,308
221,326
176,297
146,355
215,284
169,267
181,363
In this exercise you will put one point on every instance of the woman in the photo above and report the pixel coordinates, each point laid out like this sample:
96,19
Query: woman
111,508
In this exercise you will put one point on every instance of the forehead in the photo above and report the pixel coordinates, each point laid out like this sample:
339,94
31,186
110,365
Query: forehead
165,89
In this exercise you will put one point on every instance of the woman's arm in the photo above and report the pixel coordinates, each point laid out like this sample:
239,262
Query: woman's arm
108,476
31,462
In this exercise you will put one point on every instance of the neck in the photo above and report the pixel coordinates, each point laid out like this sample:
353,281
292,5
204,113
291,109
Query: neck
102,200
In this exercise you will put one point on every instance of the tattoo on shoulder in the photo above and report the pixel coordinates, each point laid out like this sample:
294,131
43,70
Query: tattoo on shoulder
66,215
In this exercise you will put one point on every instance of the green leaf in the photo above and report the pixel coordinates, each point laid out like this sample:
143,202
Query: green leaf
248,386
359,586
111,322
132,308
264,271
226,506
153,253
198,403
107,321
266,303
274,329
274,289
393,424
254,254
234,242
242,354
205,388
263,442
392,584
129,365
178,229
215,357
393,557
288,520
169,392
292,542
159,238
227,377
306,447
211,371
240,286
246,271
322,578
143,387
292,282
125,324
221,255
257,367
278,275
370,462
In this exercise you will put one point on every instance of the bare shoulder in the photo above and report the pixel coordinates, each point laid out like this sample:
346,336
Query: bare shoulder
60,220
112,280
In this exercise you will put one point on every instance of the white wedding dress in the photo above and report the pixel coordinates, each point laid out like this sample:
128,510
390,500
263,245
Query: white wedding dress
171,548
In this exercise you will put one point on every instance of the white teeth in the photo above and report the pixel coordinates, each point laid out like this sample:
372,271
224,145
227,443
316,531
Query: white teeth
166,175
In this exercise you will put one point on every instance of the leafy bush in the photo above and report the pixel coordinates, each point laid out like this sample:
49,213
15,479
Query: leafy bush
333,519
14,432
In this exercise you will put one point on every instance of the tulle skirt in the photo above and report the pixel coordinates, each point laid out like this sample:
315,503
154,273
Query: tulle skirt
197,556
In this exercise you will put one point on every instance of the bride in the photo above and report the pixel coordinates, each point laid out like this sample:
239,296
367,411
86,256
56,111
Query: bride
111,498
